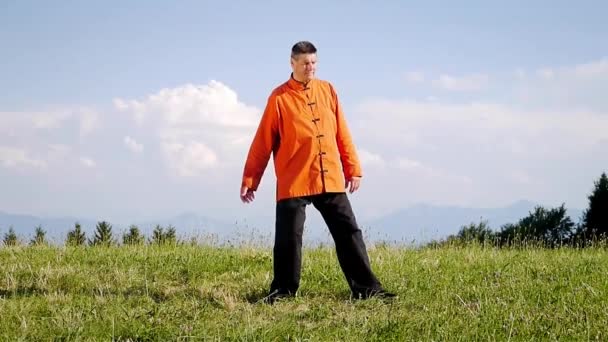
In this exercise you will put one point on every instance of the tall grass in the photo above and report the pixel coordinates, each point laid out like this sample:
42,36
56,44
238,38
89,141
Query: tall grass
204,292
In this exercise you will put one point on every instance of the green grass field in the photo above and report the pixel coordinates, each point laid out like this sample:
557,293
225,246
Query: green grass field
212,293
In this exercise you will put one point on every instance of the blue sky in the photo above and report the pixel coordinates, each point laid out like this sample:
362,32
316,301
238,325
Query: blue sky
144,109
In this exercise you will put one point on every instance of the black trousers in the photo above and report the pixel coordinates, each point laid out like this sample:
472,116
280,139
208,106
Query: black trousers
336,210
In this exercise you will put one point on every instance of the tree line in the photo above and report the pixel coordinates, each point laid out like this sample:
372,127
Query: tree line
548,227
102,236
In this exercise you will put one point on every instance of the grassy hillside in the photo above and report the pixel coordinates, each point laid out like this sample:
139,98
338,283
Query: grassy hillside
212,293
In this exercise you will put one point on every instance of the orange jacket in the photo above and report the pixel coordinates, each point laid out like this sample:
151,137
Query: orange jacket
303,125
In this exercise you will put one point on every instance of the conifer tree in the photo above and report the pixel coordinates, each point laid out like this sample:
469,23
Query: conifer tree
10,238
158,235
170,235
595,217
103,235
76,237
133,236
39,237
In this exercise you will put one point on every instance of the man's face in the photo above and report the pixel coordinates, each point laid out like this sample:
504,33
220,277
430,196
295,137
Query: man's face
304,66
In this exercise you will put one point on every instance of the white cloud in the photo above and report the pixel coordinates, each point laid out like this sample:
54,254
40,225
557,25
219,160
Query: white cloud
198,126
29,122
590,70
408,177
521,176
44,157
414,77
58,152
584,71
12,157
486,152
61,149
44,139
408,164
24,122
135,108
189,159
211,104
546,73
89,121
88,162
489,126
48,120
463,83
368,158
573,89
417,169
133,145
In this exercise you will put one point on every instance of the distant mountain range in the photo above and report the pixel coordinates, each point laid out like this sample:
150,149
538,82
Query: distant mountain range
412,225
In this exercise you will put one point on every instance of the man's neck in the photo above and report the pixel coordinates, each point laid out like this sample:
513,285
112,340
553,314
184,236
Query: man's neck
297,80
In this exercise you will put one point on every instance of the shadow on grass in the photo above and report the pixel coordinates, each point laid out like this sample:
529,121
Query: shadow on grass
22,292
256,296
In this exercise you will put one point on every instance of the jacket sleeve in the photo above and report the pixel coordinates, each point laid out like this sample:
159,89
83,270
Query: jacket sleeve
261,146
348,153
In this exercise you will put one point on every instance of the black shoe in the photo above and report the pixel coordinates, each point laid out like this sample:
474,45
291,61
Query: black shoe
276,295
380,294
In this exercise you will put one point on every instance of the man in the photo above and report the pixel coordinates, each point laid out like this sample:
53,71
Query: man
315,160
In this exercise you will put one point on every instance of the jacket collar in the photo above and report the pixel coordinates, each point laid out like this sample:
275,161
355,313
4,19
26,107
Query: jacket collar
297,85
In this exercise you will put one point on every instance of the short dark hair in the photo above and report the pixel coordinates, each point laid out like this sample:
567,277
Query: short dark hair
302,47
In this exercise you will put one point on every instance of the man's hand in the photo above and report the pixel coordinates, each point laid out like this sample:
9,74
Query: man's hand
247,195
353,183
